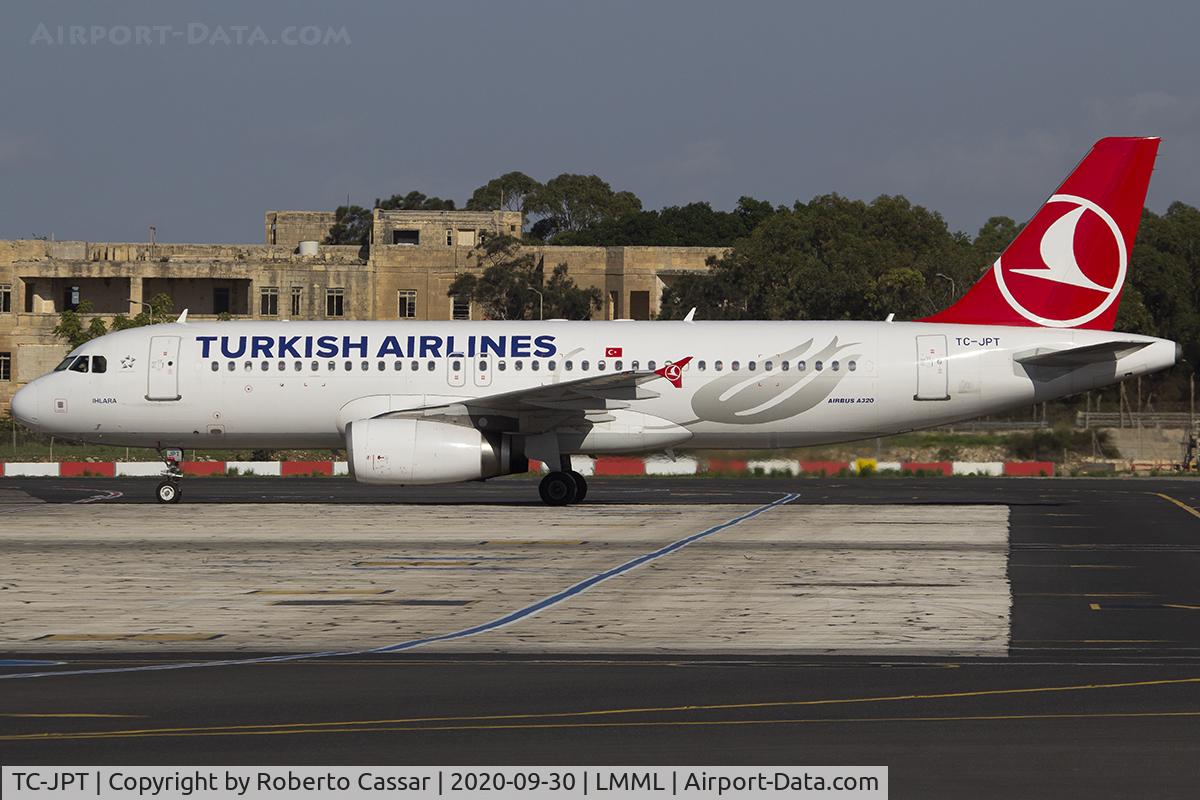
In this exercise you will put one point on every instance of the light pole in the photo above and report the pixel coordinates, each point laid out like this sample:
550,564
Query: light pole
149,308
541,301
944,276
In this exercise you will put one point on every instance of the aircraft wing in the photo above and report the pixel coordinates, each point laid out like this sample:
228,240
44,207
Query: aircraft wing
1074,357
544,407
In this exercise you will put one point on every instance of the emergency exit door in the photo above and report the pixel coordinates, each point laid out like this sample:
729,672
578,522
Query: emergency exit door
933,370
163,381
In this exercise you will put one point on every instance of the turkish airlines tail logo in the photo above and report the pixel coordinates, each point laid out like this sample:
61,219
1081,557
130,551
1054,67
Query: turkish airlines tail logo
674,372
1067,266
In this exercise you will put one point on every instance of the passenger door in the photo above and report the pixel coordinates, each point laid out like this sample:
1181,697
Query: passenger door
163,371
933,369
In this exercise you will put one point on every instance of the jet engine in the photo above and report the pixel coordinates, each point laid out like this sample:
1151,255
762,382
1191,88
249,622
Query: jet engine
415,451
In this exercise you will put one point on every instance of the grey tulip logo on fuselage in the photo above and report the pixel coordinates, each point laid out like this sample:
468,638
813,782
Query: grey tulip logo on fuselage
741,398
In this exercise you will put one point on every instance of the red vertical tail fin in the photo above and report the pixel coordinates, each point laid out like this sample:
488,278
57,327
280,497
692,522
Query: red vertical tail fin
1067,266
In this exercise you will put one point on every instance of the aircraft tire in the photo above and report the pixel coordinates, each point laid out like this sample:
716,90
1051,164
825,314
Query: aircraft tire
558,489
580,486
167,492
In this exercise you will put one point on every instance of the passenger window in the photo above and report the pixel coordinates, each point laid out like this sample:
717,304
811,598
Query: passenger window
535,365
316,365
718,366
232,366
700,366
785,365
431,365
416,365
382,366
500,365
266,365
735,365
482,366
834,365
298,366
550,366
349,365
617,366
249,365
633,365
568,365
456,365
332,366
366,365
80,365
750,366
769,365
583,365
650,365
282,366
215,366
818,366
518,365
853,365
397,365
600,365
800,365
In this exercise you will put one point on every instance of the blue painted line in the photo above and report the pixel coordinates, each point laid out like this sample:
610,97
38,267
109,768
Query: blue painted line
582,586
499,622
28,662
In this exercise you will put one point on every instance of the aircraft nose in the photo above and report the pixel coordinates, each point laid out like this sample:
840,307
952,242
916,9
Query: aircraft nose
25,405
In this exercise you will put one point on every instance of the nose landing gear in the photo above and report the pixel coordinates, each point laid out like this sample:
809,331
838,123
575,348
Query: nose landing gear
168,490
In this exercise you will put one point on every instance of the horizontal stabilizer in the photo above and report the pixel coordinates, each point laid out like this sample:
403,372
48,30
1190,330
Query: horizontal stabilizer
1080,356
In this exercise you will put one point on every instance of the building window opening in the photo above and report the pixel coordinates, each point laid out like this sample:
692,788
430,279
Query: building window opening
406,236
407,304
268,301
335,302
460,307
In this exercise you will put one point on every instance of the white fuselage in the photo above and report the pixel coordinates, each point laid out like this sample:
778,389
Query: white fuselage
748,385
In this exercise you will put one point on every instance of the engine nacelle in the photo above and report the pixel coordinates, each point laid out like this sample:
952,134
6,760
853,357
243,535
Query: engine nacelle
417,451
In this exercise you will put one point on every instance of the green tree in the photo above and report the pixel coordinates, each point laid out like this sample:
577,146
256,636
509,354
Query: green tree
509,192
693,225
351,225
831,258
573,202
502,288
414,201
74,330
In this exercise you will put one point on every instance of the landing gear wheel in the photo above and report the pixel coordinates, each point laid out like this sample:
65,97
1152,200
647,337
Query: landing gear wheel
558,489
167,492
580,486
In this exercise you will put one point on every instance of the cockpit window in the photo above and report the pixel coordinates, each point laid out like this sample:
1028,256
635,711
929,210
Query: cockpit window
99,364
80,365
66,362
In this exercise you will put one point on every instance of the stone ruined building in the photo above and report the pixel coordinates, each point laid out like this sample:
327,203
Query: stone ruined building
412,259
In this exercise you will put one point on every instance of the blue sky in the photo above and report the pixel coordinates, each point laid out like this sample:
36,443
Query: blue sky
971,109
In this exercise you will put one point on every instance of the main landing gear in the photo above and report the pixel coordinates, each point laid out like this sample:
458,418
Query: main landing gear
563,487
168,490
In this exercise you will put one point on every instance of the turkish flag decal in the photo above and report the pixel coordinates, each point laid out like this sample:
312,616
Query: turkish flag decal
613,352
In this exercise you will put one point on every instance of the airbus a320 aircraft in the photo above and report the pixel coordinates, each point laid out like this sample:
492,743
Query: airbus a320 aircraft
423,402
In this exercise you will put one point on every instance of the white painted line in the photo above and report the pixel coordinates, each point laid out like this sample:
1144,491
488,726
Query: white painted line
773,465
665,466
140,469
977,468
271,468
31,469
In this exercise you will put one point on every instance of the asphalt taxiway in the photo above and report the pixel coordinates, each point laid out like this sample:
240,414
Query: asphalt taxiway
997,637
